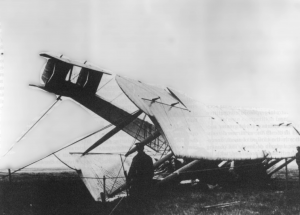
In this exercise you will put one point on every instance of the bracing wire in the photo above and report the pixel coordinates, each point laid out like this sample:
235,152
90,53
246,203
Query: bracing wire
130,149
64,162
104,85
105,127
116,97
116,206
58,98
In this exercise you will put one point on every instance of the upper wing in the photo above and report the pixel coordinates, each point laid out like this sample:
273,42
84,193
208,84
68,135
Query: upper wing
72,62
196,131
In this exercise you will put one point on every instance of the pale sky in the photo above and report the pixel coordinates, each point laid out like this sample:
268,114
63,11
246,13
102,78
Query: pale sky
232,53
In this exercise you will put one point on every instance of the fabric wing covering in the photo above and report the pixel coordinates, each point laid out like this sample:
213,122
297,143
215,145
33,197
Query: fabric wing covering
92,168
195,130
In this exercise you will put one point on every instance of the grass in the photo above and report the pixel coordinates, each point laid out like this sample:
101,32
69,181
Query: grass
65,193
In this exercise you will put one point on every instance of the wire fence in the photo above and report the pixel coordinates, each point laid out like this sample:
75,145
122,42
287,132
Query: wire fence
184,172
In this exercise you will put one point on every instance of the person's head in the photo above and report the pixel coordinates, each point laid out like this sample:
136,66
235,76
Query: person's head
139,147
298,148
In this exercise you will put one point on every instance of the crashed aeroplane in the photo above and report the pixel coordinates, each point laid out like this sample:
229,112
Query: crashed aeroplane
188,139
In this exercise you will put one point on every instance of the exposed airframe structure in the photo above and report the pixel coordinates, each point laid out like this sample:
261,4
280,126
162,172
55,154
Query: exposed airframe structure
188,137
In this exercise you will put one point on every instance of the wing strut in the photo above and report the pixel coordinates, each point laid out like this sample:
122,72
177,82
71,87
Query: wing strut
177,172
144,142
113,131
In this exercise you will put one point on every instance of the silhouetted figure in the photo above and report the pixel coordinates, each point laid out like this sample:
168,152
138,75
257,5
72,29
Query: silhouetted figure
298,160
140,173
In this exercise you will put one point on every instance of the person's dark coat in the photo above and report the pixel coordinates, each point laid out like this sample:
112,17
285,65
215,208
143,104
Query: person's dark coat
140,173
298,159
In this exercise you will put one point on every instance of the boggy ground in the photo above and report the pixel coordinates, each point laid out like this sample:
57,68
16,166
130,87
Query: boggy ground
64,193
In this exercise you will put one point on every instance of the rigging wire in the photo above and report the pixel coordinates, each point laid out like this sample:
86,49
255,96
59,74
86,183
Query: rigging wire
164,152
116,206
105,127
116,97
133,142
138,132
57,100
64,162
104,84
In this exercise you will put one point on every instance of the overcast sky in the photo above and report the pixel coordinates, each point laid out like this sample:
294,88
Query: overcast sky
234,53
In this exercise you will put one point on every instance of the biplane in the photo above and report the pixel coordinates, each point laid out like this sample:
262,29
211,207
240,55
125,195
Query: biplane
187,139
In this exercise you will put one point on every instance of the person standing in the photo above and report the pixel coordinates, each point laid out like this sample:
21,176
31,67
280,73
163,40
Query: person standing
298,161
140,173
